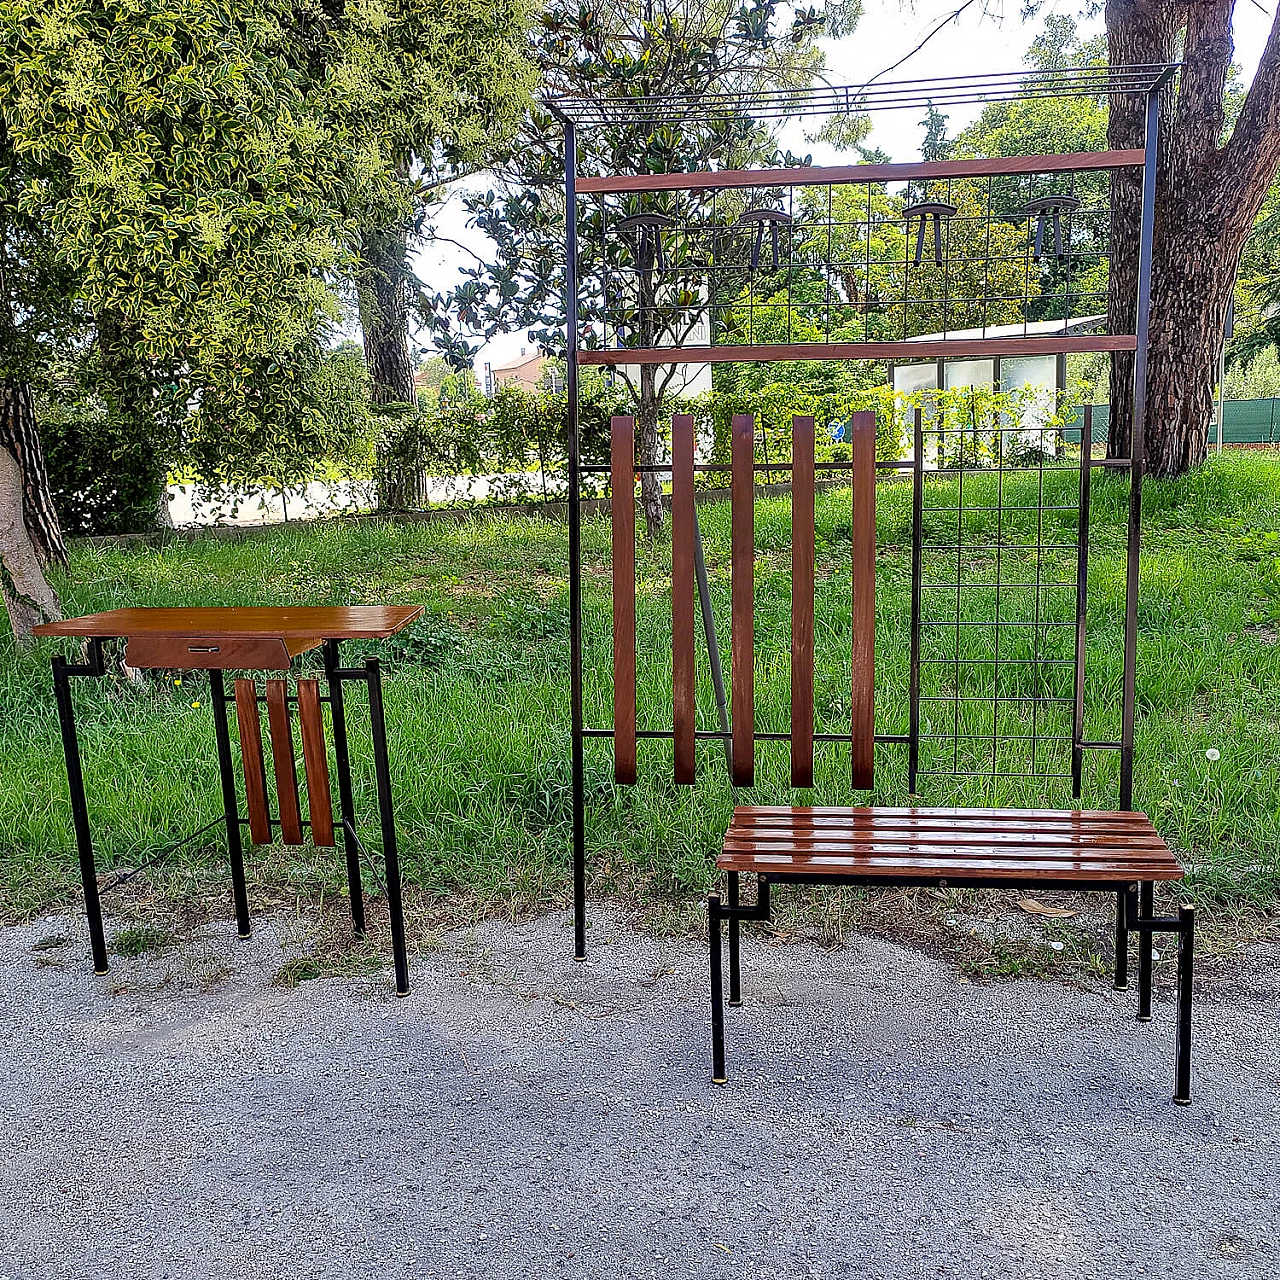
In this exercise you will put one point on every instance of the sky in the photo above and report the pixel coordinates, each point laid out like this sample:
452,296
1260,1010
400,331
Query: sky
978,42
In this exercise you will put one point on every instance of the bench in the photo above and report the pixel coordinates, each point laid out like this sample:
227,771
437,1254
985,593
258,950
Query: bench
1117,852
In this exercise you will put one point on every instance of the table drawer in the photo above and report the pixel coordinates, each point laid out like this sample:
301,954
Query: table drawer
214,653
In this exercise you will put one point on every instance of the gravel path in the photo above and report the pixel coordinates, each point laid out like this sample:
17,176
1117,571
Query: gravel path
521,1115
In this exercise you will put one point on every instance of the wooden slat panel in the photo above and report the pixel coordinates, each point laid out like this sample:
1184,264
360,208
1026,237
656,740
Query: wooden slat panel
683,669
315,761
863,433
802,549
880,822
743,567
1010,839
957,348
947,853
282,761
255,790
355,622
622,434
823,175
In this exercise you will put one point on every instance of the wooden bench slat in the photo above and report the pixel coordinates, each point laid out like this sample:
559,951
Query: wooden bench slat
742,595
315,763
1016,840
255,784
683,661
891,811
283,762
951,854
802,564
622,475
926,867
862,727
924,827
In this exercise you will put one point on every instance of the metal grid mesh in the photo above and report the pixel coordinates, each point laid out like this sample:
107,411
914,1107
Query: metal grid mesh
827,100
846,263
1000,554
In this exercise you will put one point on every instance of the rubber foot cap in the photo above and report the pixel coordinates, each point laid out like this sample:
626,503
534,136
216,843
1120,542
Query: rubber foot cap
719,1079
579,959
100,973
1142,1018
1124,987
1182,1102
244,937
402,993
735,1004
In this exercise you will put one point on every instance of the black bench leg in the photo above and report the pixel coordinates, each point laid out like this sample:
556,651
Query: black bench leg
717,992
1186,961
1145,901
735,973
1122,943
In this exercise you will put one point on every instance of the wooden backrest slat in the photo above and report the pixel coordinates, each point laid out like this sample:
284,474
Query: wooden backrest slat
742,564
315,761
802,540
282,761
255,777
683,535
622,433
863,432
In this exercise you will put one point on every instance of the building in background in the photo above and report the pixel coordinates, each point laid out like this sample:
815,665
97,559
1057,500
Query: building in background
529,372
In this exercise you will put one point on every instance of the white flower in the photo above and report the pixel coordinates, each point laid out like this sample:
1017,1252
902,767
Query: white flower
1213,754
1057,946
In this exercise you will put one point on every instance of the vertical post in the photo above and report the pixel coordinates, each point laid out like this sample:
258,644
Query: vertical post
1082,596
79,807
386,813
346,800
1136,448
1146,903
1186,958
917,540
230,803
717,992
575,543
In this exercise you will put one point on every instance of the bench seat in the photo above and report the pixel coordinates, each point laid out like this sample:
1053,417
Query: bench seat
1079,846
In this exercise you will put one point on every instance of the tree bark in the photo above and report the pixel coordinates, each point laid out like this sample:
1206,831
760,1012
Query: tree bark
1207,196
30,538
384,317
650,448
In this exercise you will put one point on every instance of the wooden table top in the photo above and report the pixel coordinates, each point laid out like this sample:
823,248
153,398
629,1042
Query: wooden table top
357,622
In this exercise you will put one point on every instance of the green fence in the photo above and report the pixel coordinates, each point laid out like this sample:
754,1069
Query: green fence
1243,422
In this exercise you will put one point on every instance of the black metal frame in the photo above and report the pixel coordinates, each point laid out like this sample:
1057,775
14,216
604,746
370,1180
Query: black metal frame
1133,905
354,850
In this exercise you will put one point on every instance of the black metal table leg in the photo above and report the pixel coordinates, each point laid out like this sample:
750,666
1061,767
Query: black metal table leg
346,797
230,803
75,785
1146,898
1122,943
1186,962
386,812
717,992
735,973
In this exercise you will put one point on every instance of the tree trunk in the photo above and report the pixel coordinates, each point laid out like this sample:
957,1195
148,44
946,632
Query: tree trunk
384,317
650,449
1208,193
29,534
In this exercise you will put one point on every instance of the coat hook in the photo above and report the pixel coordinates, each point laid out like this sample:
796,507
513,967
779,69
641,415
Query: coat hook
924,210
648,224
1044,208
775,218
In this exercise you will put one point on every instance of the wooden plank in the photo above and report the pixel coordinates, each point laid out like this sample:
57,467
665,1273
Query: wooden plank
992,868
1131,830
944,854
255,786
212,653
907,349
622,475
742,592
315,762
950,839
354,622
282,761
802,553
862,716
1047,815
683,534
828,175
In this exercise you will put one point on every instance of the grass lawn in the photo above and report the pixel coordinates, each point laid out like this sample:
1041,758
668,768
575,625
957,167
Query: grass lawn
477,693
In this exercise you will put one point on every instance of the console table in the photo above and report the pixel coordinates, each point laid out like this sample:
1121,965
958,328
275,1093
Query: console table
254,640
